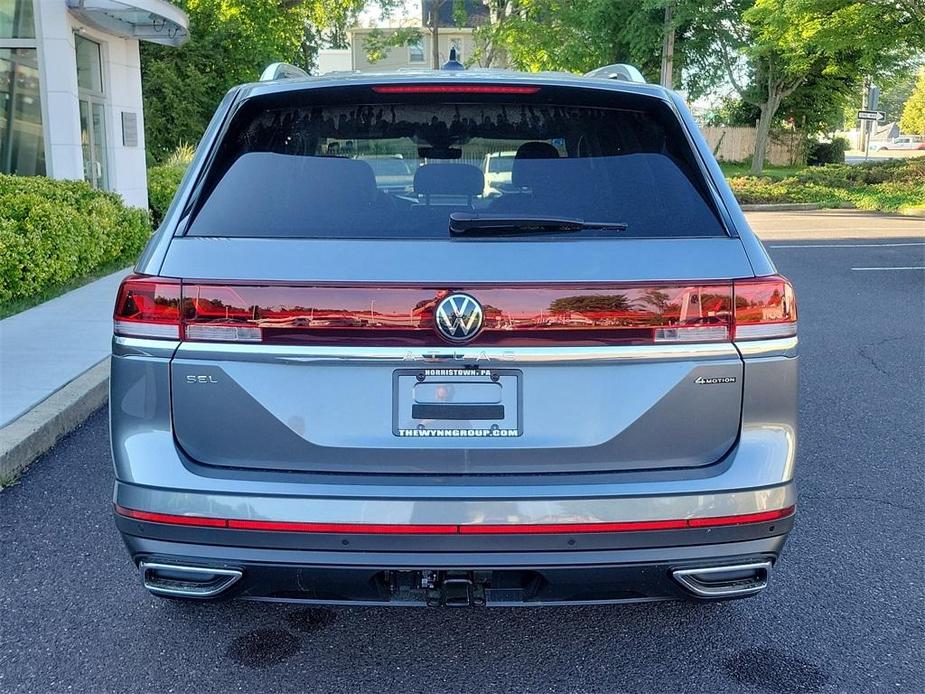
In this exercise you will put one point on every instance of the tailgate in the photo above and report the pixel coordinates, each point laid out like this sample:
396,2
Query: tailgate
348,372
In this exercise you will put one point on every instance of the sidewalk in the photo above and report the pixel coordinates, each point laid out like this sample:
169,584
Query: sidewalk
45,348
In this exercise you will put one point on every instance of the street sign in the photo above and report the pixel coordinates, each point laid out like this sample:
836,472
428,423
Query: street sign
871,115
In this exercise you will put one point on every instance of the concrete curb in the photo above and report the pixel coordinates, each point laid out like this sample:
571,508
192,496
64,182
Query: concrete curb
30,435
781,207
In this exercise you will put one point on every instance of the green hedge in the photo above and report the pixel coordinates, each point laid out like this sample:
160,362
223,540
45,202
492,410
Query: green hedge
163,181
833,152
884,186
52,232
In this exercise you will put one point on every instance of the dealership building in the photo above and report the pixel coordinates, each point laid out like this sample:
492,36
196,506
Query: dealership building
70,88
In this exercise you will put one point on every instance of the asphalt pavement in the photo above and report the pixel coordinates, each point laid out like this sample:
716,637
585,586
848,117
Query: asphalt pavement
844,612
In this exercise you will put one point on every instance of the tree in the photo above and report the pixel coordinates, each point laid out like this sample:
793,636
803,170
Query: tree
802,58
231,41
895,93
580,35
781,45
731,112
488,48
819,104
913,118
379,42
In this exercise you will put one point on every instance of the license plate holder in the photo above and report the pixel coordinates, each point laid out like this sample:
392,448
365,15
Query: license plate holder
457,403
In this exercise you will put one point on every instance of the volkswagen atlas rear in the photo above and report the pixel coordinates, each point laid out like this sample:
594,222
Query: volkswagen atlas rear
580,388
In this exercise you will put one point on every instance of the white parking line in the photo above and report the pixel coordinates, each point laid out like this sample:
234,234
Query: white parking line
779,228
845,245
891,268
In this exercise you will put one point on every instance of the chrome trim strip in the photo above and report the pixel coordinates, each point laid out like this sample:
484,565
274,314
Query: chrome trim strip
774,347
449,354
143,347
227,578
687,578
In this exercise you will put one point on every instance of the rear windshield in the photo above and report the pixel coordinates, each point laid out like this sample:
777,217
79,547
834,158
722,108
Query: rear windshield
366,165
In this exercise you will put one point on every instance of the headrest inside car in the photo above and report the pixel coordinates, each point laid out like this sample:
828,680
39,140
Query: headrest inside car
524,171
449,179
306,186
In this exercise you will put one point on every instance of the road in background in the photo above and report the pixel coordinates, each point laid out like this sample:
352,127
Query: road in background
853,156
834,225
844,611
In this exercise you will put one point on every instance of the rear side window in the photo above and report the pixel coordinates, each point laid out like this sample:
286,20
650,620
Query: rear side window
353,163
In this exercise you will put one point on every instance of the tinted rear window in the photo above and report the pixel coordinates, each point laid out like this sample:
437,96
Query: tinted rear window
362,165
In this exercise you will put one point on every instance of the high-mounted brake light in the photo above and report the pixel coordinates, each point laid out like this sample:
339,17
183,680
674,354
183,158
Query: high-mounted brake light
148,307
455,89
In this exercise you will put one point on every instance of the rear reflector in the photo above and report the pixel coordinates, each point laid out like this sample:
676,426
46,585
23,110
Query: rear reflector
516,316
496,529
455,89
171,519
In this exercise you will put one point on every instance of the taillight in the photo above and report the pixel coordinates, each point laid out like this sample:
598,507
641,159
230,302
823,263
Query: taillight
512,316
148,307
404,316
765,307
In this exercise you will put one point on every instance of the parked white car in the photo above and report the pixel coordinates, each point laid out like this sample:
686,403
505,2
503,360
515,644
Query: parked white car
903,142
497,168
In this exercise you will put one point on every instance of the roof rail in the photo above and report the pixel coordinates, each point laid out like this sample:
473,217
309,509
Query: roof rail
618,71
282,71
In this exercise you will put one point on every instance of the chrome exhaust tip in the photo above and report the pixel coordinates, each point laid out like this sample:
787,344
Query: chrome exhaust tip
176,580
728,581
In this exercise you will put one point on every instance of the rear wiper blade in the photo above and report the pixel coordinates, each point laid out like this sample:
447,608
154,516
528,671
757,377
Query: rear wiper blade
466,224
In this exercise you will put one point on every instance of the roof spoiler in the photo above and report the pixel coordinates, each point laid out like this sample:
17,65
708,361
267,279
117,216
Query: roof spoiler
282,71
618,71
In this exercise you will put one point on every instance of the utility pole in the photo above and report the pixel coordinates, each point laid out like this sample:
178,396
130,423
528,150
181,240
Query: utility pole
435,31
667,77
862,125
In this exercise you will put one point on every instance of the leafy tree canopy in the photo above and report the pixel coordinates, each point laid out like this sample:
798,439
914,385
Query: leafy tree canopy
913,118
797,59
231,41
580,35
895,92
823,47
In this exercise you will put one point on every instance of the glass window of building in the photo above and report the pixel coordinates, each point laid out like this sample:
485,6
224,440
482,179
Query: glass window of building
89,65
92,112
22,142
17,20
416,51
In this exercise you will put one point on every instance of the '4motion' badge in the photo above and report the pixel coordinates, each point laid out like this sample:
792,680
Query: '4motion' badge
458,317
712,381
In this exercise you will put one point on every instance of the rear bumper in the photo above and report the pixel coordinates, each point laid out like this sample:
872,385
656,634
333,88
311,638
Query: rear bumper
155,476
492,571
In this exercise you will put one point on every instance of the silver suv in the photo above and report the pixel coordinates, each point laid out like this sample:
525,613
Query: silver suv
580,390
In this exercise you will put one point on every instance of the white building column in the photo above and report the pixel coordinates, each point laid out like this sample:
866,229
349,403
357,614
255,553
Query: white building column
116,25
58,78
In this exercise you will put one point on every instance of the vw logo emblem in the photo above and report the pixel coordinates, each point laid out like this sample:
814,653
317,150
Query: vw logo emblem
458,317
